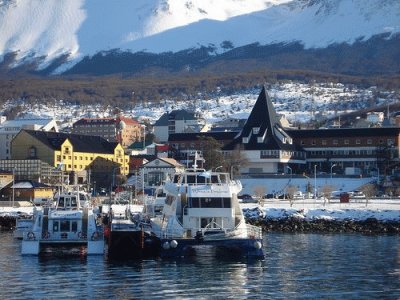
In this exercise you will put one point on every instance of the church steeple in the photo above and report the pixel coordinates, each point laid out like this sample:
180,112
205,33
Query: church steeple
262,129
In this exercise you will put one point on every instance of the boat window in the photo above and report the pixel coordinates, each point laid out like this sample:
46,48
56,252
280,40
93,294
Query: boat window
169,200
201,179
74,226
55,226
191,179
214,178
73,202
223,178
194,202
64,225
61,202
227,202
211,202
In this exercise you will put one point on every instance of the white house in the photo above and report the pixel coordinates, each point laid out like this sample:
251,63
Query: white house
177,121
155,172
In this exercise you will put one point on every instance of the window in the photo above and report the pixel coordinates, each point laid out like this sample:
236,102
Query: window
55,226
346,142
358,142
32,152
335,142
369,141
64,225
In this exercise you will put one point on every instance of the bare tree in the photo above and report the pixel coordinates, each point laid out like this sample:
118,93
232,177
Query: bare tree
327,193
259,192
369,190
291,190
235,160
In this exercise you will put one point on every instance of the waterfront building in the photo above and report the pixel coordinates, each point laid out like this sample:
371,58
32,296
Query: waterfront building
27,190
80,156
157,171
269,148
121,129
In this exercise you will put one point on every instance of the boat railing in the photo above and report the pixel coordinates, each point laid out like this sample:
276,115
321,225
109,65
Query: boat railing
254,231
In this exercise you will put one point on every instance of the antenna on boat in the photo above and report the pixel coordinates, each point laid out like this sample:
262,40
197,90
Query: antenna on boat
195,161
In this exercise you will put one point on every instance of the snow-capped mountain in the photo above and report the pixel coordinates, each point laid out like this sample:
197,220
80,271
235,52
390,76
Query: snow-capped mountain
42,31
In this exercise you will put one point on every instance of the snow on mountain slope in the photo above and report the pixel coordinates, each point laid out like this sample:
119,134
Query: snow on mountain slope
48,28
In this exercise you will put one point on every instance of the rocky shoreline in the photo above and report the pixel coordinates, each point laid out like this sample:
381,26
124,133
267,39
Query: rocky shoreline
296,225
7,222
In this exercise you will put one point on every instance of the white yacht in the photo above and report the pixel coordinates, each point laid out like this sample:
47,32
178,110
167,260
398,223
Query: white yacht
70,223
201,208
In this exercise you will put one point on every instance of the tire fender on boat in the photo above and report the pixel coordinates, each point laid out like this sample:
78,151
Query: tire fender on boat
95,236
31,235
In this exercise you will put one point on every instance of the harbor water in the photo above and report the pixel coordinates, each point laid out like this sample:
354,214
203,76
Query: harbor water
299,266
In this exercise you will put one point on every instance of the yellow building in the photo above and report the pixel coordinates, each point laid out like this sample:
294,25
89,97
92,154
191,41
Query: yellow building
70,152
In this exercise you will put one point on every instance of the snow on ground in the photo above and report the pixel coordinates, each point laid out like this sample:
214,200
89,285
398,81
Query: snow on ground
309,209
298,102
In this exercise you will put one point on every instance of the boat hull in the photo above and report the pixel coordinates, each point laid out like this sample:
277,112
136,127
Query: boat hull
224,248
133,244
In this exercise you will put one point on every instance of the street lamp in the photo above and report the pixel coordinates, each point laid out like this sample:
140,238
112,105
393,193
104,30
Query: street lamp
144,136
13,188
315,181
291,171
333,165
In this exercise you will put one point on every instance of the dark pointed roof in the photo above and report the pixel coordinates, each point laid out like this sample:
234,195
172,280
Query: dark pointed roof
81,143
262,130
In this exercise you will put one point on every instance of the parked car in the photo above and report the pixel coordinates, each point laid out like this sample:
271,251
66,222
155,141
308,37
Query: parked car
41,201
248,199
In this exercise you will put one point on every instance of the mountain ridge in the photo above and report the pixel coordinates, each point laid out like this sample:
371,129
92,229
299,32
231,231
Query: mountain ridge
59,36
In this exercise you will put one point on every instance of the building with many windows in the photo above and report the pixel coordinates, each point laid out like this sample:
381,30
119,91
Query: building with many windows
9,129
81,156
121,129
176,121
269,148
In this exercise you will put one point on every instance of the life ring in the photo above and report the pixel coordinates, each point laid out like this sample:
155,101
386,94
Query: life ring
95,236
45,235
31,235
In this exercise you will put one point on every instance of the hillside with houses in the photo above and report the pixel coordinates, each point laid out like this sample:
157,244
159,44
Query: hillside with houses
103,153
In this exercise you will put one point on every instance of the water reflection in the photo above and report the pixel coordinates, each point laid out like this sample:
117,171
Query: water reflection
296,266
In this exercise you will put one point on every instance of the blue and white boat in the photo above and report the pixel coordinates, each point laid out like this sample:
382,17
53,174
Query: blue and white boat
69,224
202,209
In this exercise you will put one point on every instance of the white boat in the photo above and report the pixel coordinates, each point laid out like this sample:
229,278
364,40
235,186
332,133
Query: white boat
23,223
70,224
201,208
